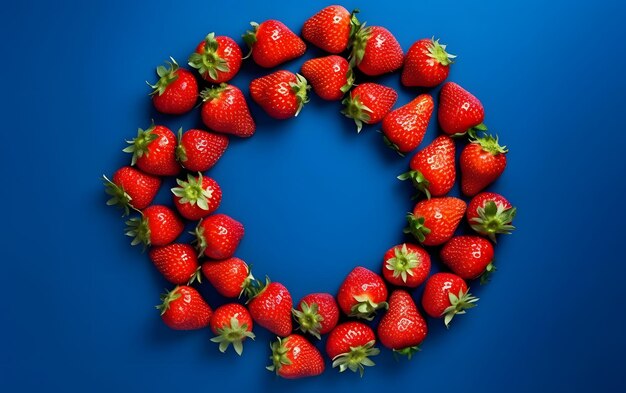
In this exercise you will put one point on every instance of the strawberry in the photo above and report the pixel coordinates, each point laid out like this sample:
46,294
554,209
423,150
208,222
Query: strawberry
375,51
131,188
405,127
459,111
446,295
330,76
362,293
281,94
232,324
272,43
330,28
230,277
350,346
432,168
402,328
177,262
154,151
427,63
199,150
225,109
482,161
176,91
317,314
218,236
270,305
294,357
217,59
434,221
406,265
469,257
489,213
197,197
158,226
369,103
184,309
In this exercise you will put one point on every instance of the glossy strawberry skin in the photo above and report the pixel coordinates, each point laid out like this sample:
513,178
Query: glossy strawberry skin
222,317
327,308
275,94
479,168
141,187
329,76
382,52
218,236
420,272
229,51
361,282
467,256
369,103
422,66
180,96
459,110
435,298
188,311
329,29
164,225
160,156
402,326
195,212
199,150
177,262
271,308
346,335
274,43
436,163
301,359
441,216
225,110
406,126
229,276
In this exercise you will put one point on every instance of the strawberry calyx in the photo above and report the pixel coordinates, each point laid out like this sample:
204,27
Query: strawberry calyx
167,298
139,230
253,287
250,38
357,358
213,93
300,88
349,81
192,192
279,356
392,145
359,36
489,143
365,307
458,304
355,110
232,334
167,75
139,146
416,227
200,240
408,351
472,132
355,25
438,52
209,62
309,319
119,197
196,276
419,181
402,263
493,218
486,275
181,153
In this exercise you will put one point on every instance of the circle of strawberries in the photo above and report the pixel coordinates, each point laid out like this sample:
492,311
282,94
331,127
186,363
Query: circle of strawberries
352,341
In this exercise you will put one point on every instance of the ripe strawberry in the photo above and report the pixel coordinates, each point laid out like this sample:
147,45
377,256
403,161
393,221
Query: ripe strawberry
199,150
281,94
402,328
176,91
232,324
482,161
272,43
294,357
184,309
427,64
375,51
330,76
469,257
230,277
217,59
446,295
405,127
270,305
489,214
432,168
350,346
317,314
369,103
177,262
434,221
131,188
158,226
154,151
406,265
197,197
362,293
218,236
225,110
459,111
330,28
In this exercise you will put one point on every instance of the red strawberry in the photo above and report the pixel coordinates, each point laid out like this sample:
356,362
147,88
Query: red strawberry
131,188
482,161
446,295
369,103
406,265
434,221
317,314
158,226
199,150
330,76
272,43
427,64
459,111
270,305
230,277
489,214
350,346
469,257
362,293
281,94
405,127
154,151
177,262
225,110
217,59
184,309
218,236
232,324
294,357
402,328
375,51
197,197
176,91
330,28
432,168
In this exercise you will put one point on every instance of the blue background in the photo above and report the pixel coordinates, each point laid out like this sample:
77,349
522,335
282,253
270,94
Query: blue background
316,199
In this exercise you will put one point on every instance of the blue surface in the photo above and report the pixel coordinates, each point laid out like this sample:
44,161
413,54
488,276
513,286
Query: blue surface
316,199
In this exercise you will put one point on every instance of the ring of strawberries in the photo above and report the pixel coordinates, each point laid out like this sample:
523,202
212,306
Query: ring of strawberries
352,341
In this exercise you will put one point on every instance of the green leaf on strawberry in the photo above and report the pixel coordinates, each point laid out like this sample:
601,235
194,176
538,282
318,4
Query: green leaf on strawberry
458,304
191,191
493,219
357,358
233,334
167,75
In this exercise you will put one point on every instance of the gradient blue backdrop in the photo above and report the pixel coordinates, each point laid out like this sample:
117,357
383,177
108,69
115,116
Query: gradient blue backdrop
316,199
